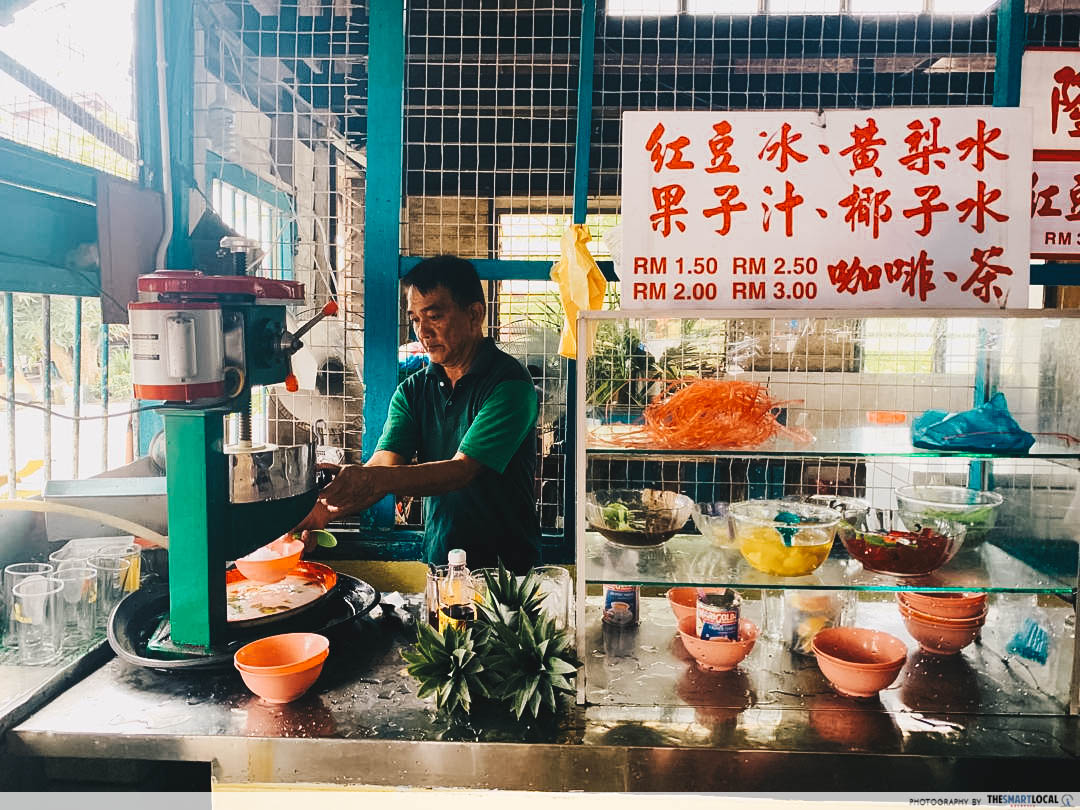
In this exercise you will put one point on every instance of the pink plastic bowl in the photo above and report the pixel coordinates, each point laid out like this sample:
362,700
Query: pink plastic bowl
858,662
937,638
683,603
282,668
276,569
718,655
945,605
973,621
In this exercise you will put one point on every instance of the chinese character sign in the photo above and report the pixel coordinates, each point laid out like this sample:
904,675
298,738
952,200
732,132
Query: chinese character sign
1055,205
1050,87
877,208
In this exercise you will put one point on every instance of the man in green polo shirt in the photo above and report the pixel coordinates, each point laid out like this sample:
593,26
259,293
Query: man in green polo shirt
469,422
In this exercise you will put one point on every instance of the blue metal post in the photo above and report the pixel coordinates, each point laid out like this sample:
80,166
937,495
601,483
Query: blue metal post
382,227
76,387
9,372
46,329
582,150
104,342
180,87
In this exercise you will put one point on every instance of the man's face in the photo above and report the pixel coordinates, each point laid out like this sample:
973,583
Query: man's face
446,331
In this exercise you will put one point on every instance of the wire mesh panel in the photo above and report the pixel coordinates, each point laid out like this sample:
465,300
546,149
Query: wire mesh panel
279,122
66,81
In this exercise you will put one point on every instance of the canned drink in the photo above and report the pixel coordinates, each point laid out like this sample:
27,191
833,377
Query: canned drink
717,614
629,595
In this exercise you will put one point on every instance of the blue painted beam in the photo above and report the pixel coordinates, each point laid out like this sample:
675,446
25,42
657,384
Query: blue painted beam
509,269
583,139
24,166
382,231
180,89
1011,38
1060,274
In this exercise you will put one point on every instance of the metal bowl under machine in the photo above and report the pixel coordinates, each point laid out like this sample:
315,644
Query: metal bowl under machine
199,343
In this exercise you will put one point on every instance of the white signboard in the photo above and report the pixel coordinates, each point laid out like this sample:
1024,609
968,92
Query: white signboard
1050,87
1055,205
862,209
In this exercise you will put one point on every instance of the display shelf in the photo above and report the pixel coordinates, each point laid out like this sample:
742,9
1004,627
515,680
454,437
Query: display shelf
649,666
693,560
854,442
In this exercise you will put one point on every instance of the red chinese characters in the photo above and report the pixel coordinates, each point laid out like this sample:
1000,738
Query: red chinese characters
672,151
982,281
1065,98
720,149
980,145
980,206
780,147
866,207
914,273
928,206
727,206
1074,201
1042,200
786,206
923,147
667,201
863,151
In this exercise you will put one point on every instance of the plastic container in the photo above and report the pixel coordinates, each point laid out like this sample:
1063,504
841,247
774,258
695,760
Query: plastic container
859,662
637,517
891,543
711,519
683,602
718,655
941,637
945,605
806,613
783,538
281,668
975,509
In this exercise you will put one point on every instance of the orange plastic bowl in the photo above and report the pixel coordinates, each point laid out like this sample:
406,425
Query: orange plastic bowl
718,655
288,553
281,668
928,618
945,605
937,638
683,603
858,662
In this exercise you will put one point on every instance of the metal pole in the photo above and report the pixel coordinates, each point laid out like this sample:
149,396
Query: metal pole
105,396
46,329
9,370
76,388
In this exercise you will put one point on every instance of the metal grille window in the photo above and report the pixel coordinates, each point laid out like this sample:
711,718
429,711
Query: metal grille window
65,81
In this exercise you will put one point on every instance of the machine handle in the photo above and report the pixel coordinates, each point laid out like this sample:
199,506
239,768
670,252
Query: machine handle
331,308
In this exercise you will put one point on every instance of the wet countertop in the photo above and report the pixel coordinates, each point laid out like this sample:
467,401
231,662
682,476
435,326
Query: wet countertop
686,729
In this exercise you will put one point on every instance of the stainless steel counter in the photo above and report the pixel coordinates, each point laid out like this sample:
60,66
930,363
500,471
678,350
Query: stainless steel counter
363,724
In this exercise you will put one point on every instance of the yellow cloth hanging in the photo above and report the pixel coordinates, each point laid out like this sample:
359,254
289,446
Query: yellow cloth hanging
581,284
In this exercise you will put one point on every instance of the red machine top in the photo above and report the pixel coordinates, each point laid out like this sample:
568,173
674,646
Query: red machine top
193,282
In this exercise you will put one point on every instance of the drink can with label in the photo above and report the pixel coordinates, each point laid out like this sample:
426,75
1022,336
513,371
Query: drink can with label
717,614
630,595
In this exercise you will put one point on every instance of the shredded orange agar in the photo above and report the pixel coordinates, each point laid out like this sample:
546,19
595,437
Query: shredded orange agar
710,414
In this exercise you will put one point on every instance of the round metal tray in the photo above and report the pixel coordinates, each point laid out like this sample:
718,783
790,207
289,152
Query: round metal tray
134,621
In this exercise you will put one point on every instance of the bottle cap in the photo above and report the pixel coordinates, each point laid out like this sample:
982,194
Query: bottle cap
456,556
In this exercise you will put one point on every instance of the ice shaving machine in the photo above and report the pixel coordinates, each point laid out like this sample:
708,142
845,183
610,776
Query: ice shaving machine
199,343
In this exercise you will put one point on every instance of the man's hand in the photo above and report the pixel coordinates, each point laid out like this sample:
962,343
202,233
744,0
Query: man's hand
353,490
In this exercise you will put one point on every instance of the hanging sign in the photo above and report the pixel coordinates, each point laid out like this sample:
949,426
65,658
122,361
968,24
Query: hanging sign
1050,86
860,209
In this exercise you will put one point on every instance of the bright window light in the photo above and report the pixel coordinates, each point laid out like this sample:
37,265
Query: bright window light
804,6
642,8
722,6
886,6
963,6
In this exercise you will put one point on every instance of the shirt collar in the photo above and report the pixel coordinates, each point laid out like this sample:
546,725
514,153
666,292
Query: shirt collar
481,362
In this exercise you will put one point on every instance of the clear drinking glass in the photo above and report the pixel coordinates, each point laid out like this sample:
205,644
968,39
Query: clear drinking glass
77,603
133,554
555,590
111,575
13,574
37,616
435,575
62,558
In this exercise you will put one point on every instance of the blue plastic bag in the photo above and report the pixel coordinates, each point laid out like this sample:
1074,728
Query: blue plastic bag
990,427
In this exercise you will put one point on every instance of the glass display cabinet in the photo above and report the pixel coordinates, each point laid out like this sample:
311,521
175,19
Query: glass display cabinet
838,395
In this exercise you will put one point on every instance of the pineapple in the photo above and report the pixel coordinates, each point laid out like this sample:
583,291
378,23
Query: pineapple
530,659
448,665
506,596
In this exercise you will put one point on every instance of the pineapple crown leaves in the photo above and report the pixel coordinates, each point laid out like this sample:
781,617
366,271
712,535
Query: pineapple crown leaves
448,665
532,661
507,597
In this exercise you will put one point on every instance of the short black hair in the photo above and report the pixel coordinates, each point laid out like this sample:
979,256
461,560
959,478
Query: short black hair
457,275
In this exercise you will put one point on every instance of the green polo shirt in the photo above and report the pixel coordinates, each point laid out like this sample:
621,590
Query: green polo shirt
490,416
